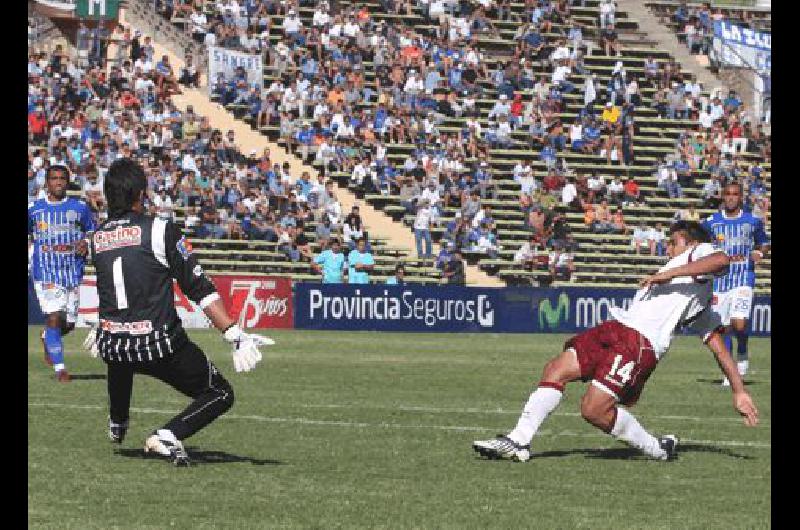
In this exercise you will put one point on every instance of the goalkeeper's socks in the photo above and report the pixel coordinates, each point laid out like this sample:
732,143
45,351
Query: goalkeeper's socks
540,404
52,342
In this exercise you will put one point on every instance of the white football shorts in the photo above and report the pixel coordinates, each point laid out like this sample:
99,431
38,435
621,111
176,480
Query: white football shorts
54,298
735,303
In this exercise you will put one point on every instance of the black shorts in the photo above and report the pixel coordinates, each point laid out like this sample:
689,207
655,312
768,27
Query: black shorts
188,370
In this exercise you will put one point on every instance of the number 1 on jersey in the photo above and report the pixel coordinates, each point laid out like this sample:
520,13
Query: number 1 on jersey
119,284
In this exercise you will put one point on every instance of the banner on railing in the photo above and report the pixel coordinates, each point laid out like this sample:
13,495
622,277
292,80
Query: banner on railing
736,45
259,302
224,61
468,309
265,301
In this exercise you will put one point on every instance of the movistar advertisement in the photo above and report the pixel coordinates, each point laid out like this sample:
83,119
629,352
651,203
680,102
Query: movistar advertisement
469,309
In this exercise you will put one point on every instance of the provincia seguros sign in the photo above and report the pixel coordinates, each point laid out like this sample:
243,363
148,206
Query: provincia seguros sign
393,308
445,308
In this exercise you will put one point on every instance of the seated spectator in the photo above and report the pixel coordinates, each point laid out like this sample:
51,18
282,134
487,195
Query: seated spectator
561,265
532,256
609,40
602,223
658,238
618,221
641,239
454,272
668,181
210,219
487,242
399,275
569,196
352,228
631,194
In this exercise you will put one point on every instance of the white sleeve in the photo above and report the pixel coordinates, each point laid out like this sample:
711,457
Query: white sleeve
706,323
704,249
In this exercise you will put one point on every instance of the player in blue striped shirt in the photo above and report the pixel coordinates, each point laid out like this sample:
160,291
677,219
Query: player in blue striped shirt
741,235
58,227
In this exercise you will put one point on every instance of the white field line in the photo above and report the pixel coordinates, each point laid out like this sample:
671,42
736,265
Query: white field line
471,410
460,428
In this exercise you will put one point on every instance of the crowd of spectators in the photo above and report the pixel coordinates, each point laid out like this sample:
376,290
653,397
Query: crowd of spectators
422,78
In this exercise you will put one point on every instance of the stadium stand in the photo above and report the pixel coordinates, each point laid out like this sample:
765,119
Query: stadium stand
84,119
519,85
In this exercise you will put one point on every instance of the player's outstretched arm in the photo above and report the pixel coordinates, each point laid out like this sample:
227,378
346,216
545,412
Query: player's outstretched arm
742,401
711,264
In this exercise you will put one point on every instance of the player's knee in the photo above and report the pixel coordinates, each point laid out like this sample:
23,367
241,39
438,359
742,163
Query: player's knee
228,396
552,371
595,413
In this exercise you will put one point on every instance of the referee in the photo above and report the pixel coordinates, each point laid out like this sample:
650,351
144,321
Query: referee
136,257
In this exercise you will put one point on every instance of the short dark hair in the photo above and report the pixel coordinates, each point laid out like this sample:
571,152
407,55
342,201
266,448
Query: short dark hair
124,183
56,167
695,232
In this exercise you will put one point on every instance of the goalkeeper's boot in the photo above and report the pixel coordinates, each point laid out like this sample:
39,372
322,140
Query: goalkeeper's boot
116,431
163,443
502,447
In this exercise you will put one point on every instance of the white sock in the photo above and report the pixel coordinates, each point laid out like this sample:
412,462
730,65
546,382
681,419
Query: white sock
58,367
630,431
541,403
743,366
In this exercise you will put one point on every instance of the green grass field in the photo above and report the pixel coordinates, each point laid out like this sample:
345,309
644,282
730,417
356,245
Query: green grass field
344,430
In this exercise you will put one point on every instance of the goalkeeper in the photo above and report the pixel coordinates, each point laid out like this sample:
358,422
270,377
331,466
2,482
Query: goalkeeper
136,257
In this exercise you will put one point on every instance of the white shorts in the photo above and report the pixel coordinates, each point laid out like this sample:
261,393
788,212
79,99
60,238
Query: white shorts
735,303
54,298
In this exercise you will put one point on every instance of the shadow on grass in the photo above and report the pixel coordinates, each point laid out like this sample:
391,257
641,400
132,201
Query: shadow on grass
628,453
87,377
719,381
202,457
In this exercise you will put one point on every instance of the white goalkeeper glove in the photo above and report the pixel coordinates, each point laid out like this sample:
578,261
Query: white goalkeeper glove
90,342
245,347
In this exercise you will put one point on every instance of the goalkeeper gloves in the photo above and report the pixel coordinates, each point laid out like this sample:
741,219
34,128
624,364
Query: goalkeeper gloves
90,342
245,347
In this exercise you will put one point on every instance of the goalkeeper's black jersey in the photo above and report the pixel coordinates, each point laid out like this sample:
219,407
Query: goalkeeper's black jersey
136,258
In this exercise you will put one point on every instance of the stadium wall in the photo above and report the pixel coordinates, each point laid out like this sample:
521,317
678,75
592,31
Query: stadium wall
449,308
269,303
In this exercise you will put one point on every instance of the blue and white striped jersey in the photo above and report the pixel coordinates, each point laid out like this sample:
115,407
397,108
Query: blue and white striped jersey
738,237
54,229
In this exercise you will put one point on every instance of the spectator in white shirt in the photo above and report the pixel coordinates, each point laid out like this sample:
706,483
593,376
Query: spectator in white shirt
422,229
569,195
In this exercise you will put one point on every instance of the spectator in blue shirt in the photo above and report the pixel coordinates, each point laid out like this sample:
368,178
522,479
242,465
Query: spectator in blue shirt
305,138
399,276
360,263
548,155
732,102
330,263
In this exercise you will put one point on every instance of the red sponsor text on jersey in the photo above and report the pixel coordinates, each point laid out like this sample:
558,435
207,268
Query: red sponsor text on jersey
122,236
142,327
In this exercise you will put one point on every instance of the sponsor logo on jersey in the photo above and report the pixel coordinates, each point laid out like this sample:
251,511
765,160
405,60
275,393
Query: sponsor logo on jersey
184,247
197,271
141,327
123,236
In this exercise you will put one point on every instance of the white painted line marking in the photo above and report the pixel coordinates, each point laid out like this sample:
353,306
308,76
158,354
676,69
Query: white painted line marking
460,428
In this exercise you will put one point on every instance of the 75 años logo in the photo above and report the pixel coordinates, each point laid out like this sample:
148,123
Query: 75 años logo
552,315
